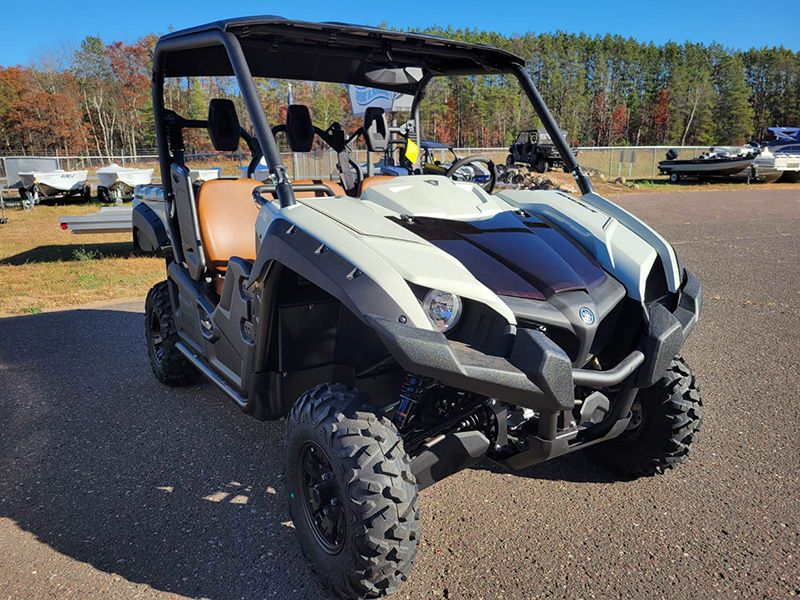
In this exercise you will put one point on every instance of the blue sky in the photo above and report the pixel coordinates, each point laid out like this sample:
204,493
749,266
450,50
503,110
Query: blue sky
57,26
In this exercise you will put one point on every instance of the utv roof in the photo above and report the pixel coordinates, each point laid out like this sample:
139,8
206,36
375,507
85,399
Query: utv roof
336,52
786,133
434,145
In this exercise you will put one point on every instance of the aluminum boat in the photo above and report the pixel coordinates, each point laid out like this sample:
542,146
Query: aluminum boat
116,183
51,184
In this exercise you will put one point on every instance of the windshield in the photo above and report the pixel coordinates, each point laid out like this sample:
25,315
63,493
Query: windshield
469,113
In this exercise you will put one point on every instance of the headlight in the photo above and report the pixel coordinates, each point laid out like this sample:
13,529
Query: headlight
443,309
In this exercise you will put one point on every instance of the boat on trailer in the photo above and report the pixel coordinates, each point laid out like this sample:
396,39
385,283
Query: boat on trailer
769,167
781,154
198,176
116,183
717,162
54,184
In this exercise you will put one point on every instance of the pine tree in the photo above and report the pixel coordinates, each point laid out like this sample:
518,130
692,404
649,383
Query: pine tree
601,90
733,114
691,94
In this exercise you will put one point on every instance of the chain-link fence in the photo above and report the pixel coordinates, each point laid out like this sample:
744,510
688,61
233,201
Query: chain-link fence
630,162
318,164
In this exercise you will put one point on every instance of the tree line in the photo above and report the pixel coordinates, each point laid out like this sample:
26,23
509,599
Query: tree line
603,90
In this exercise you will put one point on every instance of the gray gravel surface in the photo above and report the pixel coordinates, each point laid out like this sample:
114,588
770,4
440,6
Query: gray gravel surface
113,485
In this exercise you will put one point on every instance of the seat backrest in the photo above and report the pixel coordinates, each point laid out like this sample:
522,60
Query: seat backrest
227,214
368,182
376,134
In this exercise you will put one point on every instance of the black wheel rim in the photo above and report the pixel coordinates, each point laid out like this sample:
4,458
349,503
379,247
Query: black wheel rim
636,423
320,498
156,338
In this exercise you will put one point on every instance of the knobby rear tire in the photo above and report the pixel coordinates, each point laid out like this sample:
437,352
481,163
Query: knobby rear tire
169,365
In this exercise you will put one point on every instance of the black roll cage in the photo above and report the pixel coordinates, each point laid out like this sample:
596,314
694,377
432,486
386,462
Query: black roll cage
217,34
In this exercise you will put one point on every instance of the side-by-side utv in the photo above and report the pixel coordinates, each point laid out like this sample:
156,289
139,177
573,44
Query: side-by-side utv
405,327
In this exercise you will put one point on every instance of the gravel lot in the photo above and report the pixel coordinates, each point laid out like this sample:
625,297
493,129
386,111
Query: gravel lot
112,485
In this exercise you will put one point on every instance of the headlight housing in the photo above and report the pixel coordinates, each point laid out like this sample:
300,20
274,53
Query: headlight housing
443,309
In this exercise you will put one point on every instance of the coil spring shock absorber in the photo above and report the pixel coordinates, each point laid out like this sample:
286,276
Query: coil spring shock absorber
174,135
411,391
470,422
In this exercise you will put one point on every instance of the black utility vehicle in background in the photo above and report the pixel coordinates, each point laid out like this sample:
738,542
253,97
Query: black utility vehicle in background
535,147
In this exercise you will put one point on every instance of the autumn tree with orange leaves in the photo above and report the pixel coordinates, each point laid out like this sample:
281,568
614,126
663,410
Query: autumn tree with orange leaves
35,119
602,90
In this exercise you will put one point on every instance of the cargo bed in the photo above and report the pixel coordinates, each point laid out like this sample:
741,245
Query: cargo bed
109,219
116,219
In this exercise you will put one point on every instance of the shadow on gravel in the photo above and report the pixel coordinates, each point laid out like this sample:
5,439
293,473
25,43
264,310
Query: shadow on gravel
173,488
577,468
170,487
70,252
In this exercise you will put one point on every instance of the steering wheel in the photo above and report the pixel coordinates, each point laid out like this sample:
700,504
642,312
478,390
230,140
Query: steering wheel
458,172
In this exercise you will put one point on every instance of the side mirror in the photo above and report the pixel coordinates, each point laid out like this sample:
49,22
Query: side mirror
375,130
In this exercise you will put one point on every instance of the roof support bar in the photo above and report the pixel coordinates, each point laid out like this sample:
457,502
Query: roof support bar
263,131
550,125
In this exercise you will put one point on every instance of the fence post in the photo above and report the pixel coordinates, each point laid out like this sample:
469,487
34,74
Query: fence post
653,169
633,160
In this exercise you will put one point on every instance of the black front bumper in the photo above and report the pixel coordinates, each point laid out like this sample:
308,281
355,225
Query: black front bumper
537,373
667,330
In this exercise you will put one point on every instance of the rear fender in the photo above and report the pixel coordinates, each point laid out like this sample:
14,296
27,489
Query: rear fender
149,233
